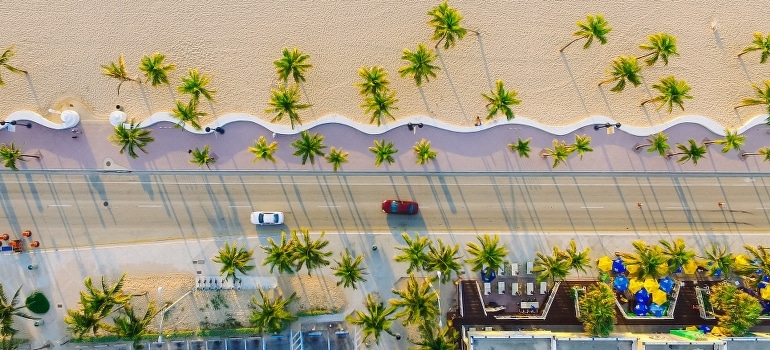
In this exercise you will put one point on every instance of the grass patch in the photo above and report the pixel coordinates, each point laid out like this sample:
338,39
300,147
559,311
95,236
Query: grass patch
38,303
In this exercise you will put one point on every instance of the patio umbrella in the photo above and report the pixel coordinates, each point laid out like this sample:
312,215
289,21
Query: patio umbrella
657,310
690,267
642,297
659,297
604,264
641,309
650,284
666,284
488,275
765,293
635,285
620,283
618,266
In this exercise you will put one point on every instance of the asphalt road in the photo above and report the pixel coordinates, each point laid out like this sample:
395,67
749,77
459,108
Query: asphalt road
91,208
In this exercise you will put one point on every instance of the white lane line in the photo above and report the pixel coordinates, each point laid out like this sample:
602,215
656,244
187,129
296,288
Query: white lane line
680,208
148,206
591,207
328,206
59,205
762,208
240,206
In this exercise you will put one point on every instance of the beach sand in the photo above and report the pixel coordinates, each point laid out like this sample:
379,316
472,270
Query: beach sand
63,43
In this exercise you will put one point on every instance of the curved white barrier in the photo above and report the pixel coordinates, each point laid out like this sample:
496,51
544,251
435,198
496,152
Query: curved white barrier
69,119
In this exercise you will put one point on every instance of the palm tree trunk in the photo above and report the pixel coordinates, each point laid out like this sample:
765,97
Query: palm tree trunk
743,105
643,56
607,81
31,155
439,42
646,101
641,145
570,43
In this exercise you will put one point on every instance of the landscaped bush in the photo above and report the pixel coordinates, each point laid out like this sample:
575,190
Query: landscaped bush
38,303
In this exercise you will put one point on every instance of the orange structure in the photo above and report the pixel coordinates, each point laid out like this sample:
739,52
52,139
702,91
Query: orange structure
34,244
26,233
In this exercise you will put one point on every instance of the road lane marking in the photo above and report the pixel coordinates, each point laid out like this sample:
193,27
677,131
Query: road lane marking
328,206
59,205
680,208
240,206
591,207
148,206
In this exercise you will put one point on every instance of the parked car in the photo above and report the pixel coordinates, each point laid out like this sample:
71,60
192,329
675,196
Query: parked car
267,218
395,206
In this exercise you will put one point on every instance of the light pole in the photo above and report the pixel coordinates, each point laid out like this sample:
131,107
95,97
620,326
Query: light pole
438,297
160,326
606,125
218,130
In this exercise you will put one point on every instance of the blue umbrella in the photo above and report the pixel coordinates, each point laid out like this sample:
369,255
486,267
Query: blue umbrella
704,328
618,266
488,275
666,284
642,297
620,283
641,309
656,310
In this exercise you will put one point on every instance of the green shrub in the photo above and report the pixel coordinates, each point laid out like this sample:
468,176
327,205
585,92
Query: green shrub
38,303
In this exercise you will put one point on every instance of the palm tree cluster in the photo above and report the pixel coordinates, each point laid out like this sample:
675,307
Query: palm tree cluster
692,151
556,267
284,100
290,255
560,151
8,310
423,255
379,100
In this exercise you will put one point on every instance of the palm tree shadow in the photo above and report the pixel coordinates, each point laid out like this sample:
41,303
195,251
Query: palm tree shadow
307,98
574,82
606,102
484,58
33,91
718,39
452,85
213,110
744,70
146,99
424,100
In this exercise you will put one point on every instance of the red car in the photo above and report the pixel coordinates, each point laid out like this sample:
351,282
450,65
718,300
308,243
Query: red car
395,206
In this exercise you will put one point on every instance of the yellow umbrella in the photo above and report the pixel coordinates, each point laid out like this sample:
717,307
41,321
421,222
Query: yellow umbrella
632,269
635,285
604,263
742,260
659,297
690,267
651,284
765,293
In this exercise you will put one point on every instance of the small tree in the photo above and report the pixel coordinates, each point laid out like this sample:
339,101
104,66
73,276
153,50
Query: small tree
270,315
6,56
762,98
117,70
578,261
582,145
285,102
500,100
677,253
646,261
10,309
375,320
418,302
349,269
292,63
336,158
597,310
310,252
761,44
380,105
551,268
233,258
419,64
423,152
763,152
432,338
660,46
308,146
731,141
736,311
188,113
10,154
558,153
691,151
263,150
375,80
383,152
672,92
133,326
445,259
414,252
131,138
624,69
196,84
656,143
521,147
281,255
202,157
488,254
595,27
718,260
446,25
155,70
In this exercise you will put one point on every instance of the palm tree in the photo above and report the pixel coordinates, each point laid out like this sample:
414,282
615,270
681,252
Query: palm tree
375,320
10,154
82,321
195,84
672,92
271,314
597,310
521,147
418,301
624,69
263,150
7,55
233,258
760,44
487,256
285,102
759,263
130,138
280,255
436,339
582,145
9,309
694,152
292,63
423,152
646,261
419,64
383,152
677,254
188,113
98,303
310,252
718,260
336,157
595,27
117,71
559,152
763,98
551,268
656,143
500,100
445,259
661,46
731,141
414,252
349,270
446,25
578,261
132,326
764,152
155,70
308,146
380,105
202,157
375,80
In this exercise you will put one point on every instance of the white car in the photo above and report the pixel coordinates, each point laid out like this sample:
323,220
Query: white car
267,218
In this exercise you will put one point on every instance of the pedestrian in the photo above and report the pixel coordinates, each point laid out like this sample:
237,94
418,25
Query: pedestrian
478,121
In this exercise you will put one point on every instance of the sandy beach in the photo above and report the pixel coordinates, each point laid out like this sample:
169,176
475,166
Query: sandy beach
62,44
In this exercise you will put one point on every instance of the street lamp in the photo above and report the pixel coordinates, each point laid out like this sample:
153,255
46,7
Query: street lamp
438,297
218,129
160,326
606,125
13,122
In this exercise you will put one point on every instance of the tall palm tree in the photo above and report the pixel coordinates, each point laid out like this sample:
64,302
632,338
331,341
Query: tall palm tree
280,255
446,25
375,320
731,141
196,84
551,268
188,114
694,152
582,145
155,70
102,301
337,157
760,44
488,254
624,69
309,146
4,58
414,252
292,63
419,64
718,260
656,143
762,98
285,102
271,315
521,147
432,338
202,157
500,100
117,70
597,310
672,92
131,138
660,46
133,326
375,80
263,150
9,309
764,152
677,253
578,261
559,152
444,258
418,301
380,105
383,152
595,27
10,154
83,321
349,269
310,252
645,261
423,152
234,258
